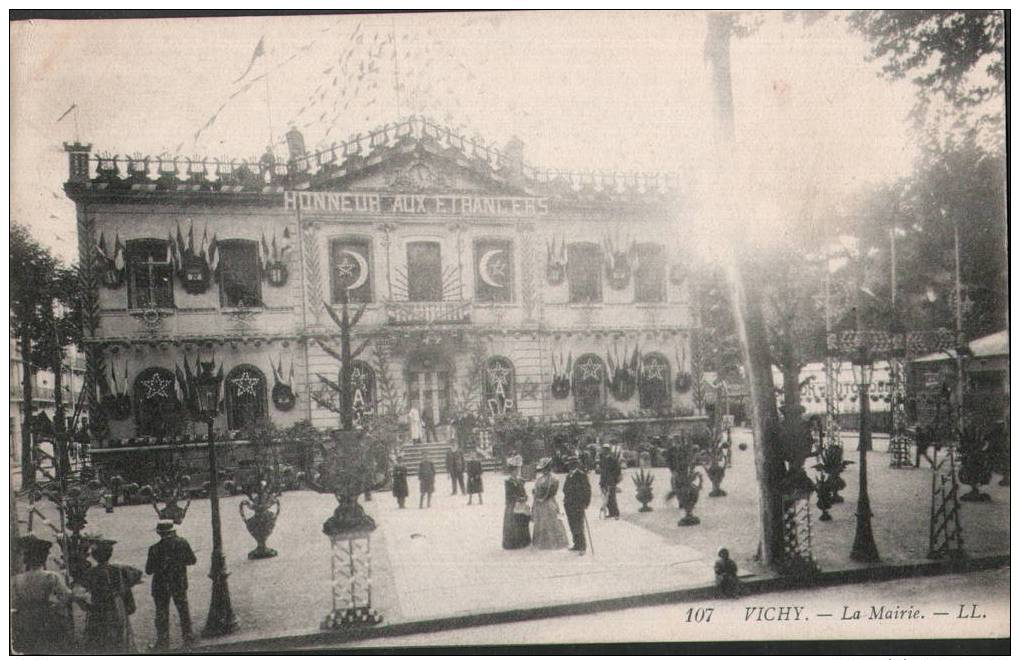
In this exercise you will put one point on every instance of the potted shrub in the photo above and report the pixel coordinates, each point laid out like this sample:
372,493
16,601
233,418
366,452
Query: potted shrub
823,488
686,481
643,484
831,463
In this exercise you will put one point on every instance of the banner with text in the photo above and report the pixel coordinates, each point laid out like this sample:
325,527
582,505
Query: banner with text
371,203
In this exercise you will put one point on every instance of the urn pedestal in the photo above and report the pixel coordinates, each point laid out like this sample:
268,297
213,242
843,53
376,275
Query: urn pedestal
351,581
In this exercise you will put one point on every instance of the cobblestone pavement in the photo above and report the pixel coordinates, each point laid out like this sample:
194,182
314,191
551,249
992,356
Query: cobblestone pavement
449,559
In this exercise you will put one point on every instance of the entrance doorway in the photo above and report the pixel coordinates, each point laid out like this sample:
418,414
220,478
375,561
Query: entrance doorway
428,379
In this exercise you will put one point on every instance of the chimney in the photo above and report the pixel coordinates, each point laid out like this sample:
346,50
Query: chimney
78,161
513,154
295,143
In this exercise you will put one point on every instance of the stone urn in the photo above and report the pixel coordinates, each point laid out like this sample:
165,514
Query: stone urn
687,492
264,505
643,489
716,471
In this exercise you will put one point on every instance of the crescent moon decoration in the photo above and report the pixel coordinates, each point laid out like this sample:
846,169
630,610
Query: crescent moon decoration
362,269
483,269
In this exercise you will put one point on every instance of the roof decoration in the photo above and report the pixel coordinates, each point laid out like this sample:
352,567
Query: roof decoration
329,166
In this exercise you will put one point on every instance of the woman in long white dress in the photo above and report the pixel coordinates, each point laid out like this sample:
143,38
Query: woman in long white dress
549,532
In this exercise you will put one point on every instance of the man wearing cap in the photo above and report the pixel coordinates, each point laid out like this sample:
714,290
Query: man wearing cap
576,498
609,469
168,565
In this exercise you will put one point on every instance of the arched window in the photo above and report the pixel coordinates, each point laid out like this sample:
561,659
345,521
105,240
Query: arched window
588,383
157,409
499,395
584,272
363,384
654,383
246,396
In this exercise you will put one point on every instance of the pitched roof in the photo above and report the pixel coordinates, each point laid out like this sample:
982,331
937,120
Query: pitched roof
993,345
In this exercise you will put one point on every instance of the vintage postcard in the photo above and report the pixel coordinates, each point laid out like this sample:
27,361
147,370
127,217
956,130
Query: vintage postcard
509,329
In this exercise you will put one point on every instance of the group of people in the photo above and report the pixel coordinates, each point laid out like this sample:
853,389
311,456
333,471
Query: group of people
457,464
539,525
42,599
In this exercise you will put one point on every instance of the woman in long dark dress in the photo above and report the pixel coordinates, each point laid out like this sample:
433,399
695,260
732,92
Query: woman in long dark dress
108,625
474,484
42,625
516,516
400,490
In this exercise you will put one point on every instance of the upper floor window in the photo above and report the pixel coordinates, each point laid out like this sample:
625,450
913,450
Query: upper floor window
499,394
150,273
584,272
650,273
246,396
494,276
240,276
157,409
424,271
350,269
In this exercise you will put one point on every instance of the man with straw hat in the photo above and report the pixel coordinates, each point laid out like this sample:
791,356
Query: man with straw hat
168,565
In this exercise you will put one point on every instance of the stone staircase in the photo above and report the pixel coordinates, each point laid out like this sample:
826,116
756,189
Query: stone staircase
413,454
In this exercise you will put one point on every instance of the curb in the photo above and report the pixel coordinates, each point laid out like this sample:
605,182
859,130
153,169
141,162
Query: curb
752,586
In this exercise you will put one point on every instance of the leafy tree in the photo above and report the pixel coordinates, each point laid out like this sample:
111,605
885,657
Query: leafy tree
32,286
955,56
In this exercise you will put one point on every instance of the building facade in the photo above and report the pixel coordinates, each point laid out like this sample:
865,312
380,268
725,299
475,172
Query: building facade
485,284
43,396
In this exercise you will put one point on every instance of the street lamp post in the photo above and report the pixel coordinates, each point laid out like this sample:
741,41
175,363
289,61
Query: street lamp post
864,548
221,613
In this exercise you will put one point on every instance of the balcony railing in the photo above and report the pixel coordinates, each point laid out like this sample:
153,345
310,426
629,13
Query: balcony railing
428,313
38,393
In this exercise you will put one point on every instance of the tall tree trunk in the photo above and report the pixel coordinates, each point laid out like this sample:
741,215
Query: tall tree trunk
791,384
747,308
62,459
27,464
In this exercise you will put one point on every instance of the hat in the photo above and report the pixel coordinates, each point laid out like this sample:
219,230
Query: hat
543,464
165,527
109,543
33,544
515,461
572,460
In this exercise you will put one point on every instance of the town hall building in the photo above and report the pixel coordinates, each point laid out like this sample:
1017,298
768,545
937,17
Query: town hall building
484,284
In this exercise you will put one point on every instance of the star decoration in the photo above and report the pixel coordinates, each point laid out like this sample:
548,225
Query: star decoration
245,384
346,267
497,268
499,375
156,386
654,370
590,370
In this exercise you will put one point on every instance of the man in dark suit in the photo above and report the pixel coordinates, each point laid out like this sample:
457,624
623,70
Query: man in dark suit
576,498
455,468
168,565
609,476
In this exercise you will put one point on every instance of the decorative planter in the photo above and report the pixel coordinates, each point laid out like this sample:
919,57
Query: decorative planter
716,472
643,489
276,273
260,525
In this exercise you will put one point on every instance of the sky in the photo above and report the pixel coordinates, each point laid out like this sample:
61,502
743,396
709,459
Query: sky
611,91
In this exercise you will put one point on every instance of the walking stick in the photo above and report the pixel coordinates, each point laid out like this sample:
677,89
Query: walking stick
591,541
